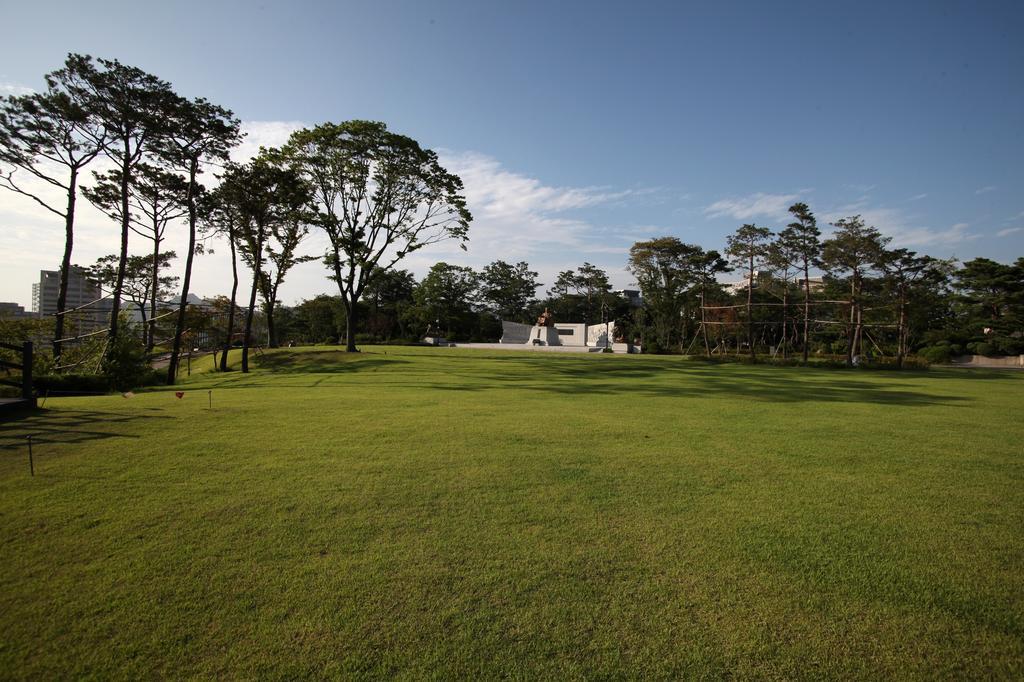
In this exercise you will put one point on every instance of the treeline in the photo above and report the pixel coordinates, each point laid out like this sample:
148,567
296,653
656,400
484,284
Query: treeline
869,300
453,301
377,196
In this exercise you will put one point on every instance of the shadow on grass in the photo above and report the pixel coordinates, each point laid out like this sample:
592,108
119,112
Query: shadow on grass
593,376
325,361
66,426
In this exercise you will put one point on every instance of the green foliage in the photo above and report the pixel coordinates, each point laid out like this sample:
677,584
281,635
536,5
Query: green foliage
379,196
507,290
939,355
126,364
445,298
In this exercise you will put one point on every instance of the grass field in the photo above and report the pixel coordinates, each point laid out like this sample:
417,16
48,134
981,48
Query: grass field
445,513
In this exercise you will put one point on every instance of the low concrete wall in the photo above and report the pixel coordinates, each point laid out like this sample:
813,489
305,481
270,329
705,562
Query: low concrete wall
986,361
514,332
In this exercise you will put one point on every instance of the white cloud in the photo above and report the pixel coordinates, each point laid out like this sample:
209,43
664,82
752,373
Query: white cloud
986,189
918,197
515,217
775,206
1008,231
518,217
263,134
896,224
14,89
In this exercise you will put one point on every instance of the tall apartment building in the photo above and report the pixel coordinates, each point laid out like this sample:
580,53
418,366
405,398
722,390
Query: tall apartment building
81,291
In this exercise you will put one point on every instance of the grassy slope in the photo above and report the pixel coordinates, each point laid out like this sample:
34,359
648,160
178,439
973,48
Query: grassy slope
445,512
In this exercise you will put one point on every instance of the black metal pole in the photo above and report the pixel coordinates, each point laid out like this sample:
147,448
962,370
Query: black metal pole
31,464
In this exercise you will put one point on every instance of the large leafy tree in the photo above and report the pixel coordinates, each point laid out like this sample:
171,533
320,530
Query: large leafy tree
993,296
156,198
665,270
748,246
508,290
281,256
132,108
855,250
911,279
446,296
800,244
51,137
197,131
265,196
379,197
585,290
221,217
389,296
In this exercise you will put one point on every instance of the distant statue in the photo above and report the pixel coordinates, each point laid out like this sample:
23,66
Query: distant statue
546,319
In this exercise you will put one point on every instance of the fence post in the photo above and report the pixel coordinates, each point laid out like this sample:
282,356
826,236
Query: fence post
26,371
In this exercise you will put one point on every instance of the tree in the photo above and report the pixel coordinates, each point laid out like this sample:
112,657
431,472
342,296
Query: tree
389,294
198,131
379,197
265,196
749,246
799,243
284,238
139,285
52,137
221,217
322,317
993,294
906,274
132,107
665,270
156,197
855,250
508,290
446,295
706,265
589,284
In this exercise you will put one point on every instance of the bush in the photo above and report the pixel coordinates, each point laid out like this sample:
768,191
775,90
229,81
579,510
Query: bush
983,348
936,354
71,384
125,363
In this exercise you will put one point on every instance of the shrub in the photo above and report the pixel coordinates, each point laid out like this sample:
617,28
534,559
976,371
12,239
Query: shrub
71,384
983,348
936,354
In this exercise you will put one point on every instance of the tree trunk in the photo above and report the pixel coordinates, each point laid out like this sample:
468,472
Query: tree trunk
154,291
807,308
248,323
901,334
703,320
785,314
65,266
851,333
231,309
115,308
750,301
179,327
271,334
350,325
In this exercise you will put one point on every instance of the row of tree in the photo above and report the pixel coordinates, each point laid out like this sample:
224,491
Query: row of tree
871,299
376,195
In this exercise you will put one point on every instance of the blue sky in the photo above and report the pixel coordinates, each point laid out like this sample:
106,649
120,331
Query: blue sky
582,127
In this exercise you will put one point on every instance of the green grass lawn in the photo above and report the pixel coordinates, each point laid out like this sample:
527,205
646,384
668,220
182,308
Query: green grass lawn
453,513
